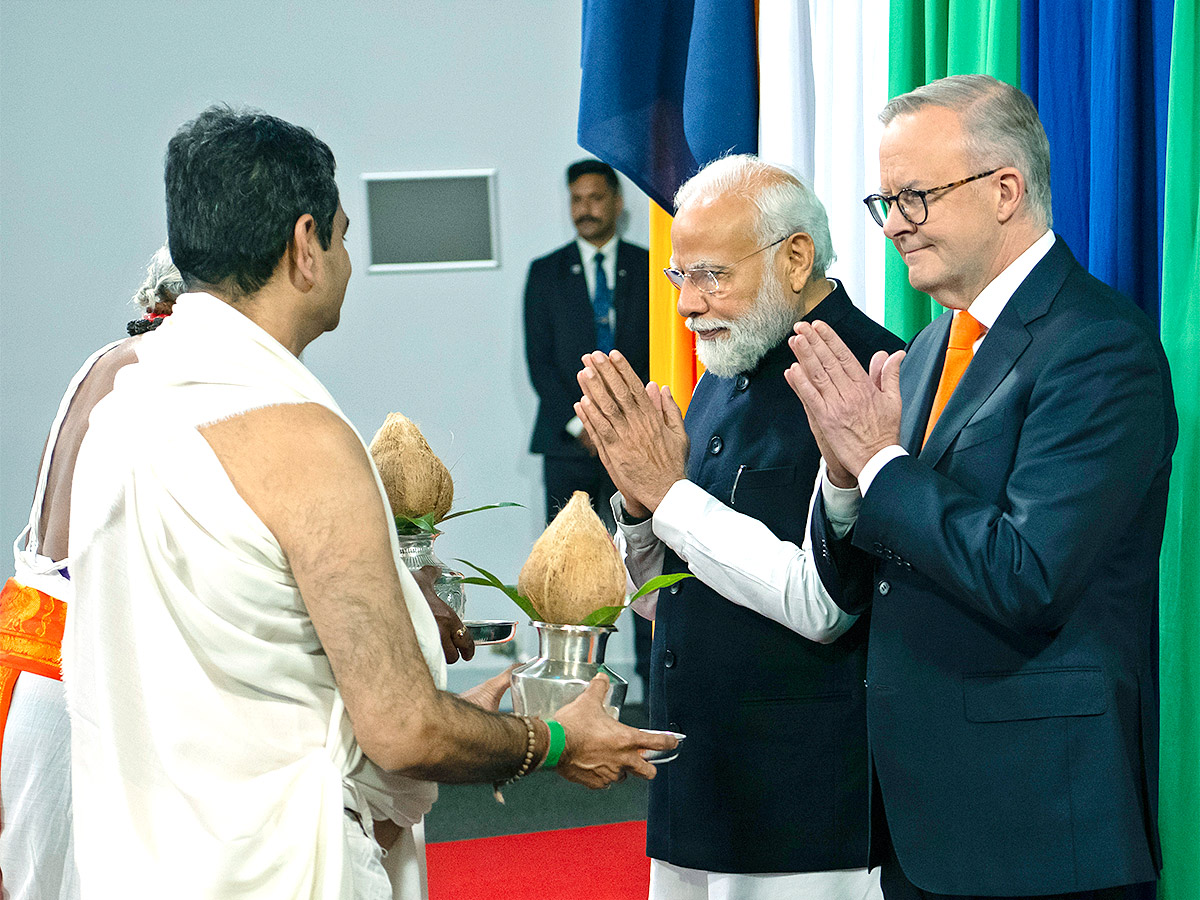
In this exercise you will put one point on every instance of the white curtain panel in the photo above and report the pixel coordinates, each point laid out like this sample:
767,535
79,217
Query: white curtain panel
787,98
823,67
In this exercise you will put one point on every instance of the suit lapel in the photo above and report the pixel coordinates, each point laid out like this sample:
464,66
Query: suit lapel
621,283
573,274
1000,350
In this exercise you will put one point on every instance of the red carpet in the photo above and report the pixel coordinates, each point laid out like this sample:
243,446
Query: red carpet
601,862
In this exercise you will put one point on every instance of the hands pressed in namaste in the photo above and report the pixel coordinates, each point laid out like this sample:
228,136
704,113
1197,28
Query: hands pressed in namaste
637,430
853,414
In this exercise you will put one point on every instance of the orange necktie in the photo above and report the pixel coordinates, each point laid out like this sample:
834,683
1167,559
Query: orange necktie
964,332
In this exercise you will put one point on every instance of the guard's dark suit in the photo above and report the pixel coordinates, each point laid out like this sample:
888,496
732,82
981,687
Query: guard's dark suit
559,329
1011,571
772,777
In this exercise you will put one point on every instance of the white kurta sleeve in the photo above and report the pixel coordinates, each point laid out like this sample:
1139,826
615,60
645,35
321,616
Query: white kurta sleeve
841,505
739,558
643,554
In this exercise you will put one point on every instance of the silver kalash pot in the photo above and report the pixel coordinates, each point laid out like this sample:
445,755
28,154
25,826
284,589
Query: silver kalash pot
416,551
569,656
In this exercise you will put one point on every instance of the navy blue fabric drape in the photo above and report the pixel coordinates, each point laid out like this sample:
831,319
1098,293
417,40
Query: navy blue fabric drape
1097,71
668,86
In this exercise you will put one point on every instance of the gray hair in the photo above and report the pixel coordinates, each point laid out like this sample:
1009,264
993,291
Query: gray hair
1000,125
163,282
785,204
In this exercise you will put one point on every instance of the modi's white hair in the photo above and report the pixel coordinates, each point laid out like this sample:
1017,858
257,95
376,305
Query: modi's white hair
785,204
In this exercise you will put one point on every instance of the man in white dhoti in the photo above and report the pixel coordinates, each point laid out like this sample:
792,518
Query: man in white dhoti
36,858
251,674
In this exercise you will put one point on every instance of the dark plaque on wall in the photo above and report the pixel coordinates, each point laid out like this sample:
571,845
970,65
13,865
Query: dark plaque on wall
422,221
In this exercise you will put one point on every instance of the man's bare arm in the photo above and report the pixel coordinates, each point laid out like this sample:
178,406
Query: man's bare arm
306,475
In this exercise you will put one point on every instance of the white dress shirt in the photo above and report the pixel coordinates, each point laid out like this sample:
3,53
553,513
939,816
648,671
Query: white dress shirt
587,252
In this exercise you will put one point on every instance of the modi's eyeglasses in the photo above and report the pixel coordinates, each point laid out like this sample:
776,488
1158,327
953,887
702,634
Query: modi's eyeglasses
708,280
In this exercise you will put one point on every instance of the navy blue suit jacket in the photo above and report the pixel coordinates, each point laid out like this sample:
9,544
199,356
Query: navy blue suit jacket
773,775
560,328
1011,570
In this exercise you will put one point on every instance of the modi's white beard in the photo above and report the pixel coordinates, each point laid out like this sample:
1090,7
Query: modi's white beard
751,335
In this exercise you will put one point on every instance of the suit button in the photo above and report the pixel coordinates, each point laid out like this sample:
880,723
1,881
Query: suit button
674,727
675,588
743,382
669,660
884,587
715,444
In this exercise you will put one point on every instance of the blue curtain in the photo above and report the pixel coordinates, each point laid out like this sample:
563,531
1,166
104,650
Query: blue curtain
1098,73
668,86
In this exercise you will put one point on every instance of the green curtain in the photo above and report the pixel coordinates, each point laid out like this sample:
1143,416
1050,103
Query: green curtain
932,39
1179,786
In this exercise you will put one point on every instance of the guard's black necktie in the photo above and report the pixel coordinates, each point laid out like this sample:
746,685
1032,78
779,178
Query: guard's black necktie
602,308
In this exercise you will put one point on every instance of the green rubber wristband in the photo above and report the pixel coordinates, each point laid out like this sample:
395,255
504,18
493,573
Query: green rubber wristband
558,742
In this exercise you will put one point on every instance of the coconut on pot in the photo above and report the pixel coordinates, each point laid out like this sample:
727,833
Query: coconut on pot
416,481
574,568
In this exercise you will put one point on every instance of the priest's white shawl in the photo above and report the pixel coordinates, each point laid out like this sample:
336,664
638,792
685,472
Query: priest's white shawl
212,754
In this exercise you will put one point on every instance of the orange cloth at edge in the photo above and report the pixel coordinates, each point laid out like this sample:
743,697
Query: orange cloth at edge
672,347
31,632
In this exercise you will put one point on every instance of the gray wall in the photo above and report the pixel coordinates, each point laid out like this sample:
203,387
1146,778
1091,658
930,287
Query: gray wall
91,92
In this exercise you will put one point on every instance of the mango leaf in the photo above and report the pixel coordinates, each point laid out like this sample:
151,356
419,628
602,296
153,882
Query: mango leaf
419,525
607,615
427,524
490,580
463,512
658,582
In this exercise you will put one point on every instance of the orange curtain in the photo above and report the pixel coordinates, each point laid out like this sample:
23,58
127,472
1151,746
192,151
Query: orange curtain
672,347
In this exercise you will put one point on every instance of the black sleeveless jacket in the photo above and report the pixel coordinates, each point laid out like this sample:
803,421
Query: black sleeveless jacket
773,775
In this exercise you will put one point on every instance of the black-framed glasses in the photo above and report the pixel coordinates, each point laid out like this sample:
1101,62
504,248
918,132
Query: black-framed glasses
912,202
707,280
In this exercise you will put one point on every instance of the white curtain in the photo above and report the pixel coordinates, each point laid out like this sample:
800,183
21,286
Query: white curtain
823,68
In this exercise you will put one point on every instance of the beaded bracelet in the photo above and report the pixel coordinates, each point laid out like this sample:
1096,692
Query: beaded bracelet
526,763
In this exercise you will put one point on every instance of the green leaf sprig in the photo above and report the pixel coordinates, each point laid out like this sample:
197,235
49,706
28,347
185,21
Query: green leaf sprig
605,615
426,524
490,580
